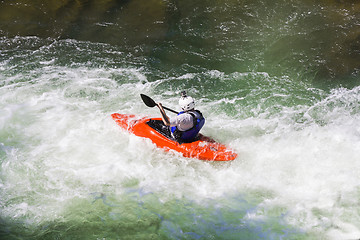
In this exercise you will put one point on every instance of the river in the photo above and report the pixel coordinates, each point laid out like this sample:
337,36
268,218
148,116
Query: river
277,81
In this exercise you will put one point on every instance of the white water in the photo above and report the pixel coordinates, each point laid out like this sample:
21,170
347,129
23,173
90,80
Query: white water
58,142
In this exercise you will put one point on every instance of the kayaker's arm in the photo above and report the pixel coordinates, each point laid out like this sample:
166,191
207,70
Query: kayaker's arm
164,117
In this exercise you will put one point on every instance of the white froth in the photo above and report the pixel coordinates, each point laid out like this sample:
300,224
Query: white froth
63,143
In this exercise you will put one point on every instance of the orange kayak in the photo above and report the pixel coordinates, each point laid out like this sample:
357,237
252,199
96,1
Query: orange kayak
203,148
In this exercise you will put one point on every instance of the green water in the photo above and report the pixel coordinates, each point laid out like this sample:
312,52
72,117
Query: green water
278,82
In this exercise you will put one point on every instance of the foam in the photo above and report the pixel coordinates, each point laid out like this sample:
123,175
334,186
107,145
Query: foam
69,147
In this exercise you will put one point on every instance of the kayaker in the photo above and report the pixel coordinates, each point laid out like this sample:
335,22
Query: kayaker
187,124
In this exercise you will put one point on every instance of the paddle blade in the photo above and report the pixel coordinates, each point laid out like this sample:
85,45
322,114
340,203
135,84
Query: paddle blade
148,101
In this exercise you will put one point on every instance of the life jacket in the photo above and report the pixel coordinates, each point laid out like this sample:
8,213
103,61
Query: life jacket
190,134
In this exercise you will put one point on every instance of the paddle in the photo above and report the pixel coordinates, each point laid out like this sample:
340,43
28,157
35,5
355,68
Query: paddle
151,103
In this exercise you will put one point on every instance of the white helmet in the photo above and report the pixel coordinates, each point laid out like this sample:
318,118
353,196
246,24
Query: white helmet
187,103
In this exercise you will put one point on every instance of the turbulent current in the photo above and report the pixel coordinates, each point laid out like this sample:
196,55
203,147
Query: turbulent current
277,81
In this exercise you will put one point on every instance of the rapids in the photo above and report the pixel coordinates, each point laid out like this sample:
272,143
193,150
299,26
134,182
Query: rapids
278,83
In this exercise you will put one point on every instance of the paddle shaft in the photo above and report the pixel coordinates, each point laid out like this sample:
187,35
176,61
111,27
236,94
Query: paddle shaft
170,110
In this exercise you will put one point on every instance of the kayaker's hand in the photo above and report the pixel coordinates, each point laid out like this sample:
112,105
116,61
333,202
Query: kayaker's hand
159,105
